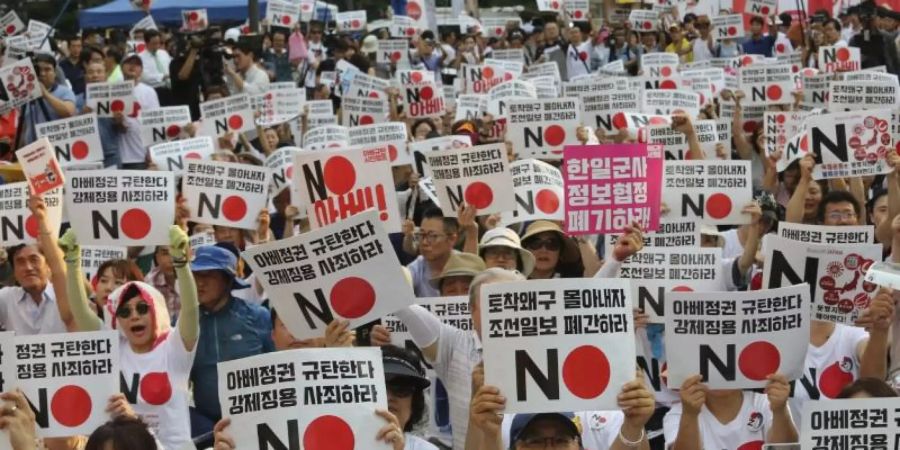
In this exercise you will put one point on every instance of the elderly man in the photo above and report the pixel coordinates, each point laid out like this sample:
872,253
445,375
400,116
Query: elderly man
30,307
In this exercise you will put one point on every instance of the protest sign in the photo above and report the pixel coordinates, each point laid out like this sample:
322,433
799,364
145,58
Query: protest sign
356,111
411,76
737,342
38,34
146,23
850,423
172,155
423,100
347,270
106,99
314,399
202,238
587,84
92,256
824,234
763,8
538,189
768,84
633,121
662,66
675,143
495,27
839,59
577,10
194,20
509,54
608,187
730,26
558,345
366,86
500,96
224,193
123,207
227,115
598,108
550,5
282,13
477,176
326,136
394,51
334,185
831,137
780,127
470,106
17,225
403,27
869,75
279,106
75,139
540,128
671,233
163,124
479,79
18,83
281,165
834,274
454,311
815,90
856,95
40,166
669,101
657,271
390,134
714,192
643,20
420,149
11,24
68,379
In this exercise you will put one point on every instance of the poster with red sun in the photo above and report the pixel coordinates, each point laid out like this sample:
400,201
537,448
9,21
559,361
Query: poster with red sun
713,192
171,156
839,59
849,144
574,338
608,187
68,378
326,137
655,272
226,115
727,27
599,107
672,232
767,84
825,424
477,176
675,143
858,95
389,134
40,166
314,399
11,24
121,207
825,234
164,124
538,188
282,13
75,140
18,81
781,126
333,185
737,341
578,10
17,225
194,20
351,21
224,193
356,111
839,291
279,106
404,27
106,99
347,270
281,164
541,128
423,99
643,20
393,51
763,8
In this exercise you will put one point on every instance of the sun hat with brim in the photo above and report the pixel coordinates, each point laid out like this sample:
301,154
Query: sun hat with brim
711,230
569,251
211,257
504,237
369,44
521,422
400,369
459,265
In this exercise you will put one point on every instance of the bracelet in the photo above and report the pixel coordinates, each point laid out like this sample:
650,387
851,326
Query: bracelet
632,444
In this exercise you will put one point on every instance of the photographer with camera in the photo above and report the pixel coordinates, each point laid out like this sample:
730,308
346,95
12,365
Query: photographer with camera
245,77
186,74
869,39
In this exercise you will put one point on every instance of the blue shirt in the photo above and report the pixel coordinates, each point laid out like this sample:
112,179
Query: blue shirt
109,138
39,111
762,46
238,330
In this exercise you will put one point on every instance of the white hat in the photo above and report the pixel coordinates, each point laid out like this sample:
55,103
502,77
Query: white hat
711,230
232,34
370,44
504,237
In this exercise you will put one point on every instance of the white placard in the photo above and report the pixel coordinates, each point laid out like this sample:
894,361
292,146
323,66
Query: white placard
541,128
106,99
282,13
538,189
17,225
713,192
727,27
824,234
75,140
476,176
768,84
839,59
18,82
224,193
230,114
38,162
846,423
394,51
856,95
172,155
389,134
163,124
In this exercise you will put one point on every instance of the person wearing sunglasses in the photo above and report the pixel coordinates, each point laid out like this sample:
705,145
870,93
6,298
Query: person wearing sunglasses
155,358
555,254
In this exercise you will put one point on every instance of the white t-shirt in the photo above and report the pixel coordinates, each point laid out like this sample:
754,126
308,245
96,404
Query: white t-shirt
733,247
599,429
828,369
159,381
746,431
315,52
416,443
578,60
130,144
701,50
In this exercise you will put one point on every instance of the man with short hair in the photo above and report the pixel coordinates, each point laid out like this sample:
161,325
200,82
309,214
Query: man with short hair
70,65
57,101
245,77
30,307
134,154
155,60
436,237
109,127
757,43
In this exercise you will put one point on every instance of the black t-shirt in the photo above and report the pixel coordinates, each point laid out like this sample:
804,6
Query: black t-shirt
186,91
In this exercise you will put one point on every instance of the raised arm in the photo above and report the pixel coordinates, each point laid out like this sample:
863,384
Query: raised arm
872,352
783,430
75,305
189,317
795,208
682,123
47,243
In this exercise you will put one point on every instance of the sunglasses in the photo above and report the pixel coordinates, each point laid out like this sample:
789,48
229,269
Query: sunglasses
124,312
549,244
401,390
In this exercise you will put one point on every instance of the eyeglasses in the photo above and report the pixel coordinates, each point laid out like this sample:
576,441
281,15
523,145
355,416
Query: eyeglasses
549,244
428,237
401,390
124,312
536,442
839,215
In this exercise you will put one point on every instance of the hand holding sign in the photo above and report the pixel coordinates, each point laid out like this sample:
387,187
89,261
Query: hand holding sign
637,402
487,408
631,242
778,389
693,396
391,433
18,420
879,315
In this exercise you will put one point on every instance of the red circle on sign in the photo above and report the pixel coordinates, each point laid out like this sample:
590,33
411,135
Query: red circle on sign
487,72
117,106
285,20
831,298
498,31
666,71
682,289
395,56
779,48
479,195
845,305
10,29
764,10
554,135
861,300
759,360
31,226
413,10
732,31
392,152
416,77
746,61
843,54
192,155
554,5
427,93
79,150
667,84
136,224
750,126
373,94
410,31
156,388
774,92
289,172
234,208
718,206
328,433
366,120
780,119
352,297
173,131
754,445
340,176
71,405
193,16
657,120
547,201
619,121
586,372
235,122
804,144
648,25
578,14
355,23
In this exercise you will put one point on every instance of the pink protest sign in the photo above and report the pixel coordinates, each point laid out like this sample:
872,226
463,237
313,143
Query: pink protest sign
610,186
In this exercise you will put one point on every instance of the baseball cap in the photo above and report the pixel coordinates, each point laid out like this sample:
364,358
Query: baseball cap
521,422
